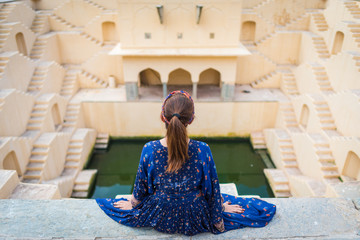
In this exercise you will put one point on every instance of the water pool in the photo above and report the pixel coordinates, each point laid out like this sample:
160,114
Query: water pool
235,160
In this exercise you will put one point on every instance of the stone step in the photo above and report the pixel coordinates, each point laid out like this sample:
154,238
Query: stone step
32,174
328,166
72,164
330,174
79,194
72,157
81,187
35,166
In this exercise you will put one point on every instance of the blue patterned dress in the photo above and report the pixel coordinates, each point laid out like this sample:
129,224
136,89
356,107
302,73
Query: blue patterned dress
187,201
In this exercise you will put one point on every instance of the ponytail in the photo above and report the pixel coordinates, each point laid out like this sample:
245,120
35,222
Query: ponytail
177,143
177,113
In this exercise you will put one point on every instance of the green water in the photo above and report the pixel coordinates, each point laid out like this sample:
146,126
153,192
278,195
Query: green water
235,161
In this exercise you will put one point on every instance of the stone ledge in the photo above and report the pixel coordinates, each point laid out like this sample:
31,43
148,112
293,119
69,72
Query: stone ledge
296,218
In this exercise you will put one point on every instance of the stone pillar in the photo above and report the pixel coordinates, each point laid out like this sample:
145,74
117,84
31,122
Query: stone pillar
227,92
194,91
164,90
131,91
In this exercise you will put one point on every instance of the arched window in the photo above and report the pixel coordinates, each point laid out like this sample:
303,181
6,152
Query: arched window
304,116
180,79
20,42
338,42
109,31
149,77
55,113
352,166
11,162
248,31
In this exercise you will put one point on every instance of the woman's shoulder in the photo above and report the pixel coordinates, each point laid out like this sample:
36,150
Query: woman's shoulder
200,145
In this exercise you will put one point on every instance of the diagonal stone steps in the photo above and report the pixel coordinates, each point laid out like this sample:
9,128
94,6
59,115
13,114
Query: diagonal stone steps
321,77
4,60
4,33
95,5
320,21
355,32
5,10
39,22
289,117
286,149
353,8
326,159
323,112
37,115
289,85
37,80
279,182
264,79
320,47
69,85
94,79
39,48
72,114
257,140
102,141
38,158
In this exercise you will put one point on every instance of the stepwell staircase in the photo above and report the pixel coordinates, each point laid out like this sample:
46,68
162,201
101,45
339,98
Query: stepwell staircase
289,117
4,59
320,21
37,80
353,8
323,112
320,47
38,158
4,33
73,155
37,115
99,82
5,10
263,79
257,139
326,159
289,85
72,114
321,77
279,182
69,83
355,30
39,48
39,22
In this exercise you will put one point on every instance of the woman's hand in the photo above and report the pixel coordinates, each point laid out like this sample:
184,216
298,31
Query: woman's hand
125,205
233,208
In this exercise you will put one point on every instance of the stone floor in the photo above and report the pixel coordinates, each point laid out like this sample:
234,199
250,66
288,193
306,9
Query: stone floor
296,218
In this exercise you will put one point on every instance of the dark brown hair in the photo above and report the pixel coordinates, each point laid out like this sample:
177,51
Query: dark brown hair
176,133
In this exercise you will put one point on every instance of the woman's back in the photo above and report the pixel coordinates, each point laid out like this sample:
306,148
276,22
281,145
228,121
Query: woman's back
183,195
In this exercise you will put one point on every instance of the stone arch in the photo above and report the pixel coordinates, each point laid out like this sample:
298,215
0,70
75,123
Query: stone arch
209,85
109,31
11,162
338,42
149,77
210,76
20,42
179,79
304,116
352,166
55,113
248,31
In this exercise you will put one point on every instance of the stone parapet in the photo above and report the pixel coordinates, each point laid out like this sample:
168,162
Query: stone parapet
296,218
